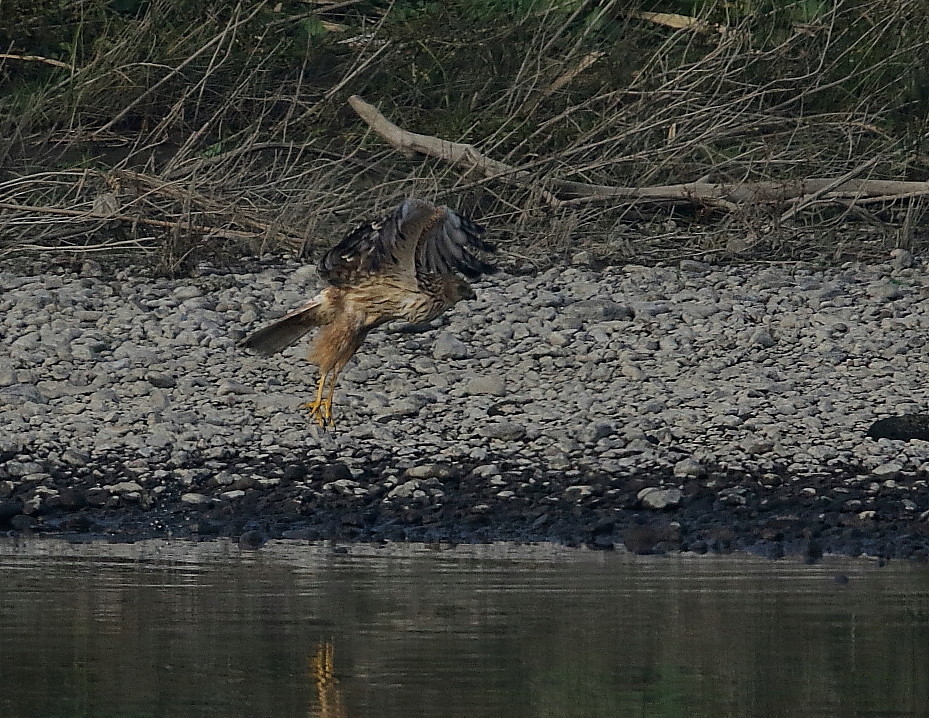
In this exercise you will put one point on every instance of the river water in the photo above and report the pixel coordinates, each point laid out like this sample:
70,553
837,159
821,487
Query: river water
209,629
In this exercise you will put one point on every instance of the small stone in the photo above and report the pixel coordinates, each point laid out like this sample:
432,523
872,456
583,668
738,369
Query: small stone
689,468
640,539
902,259
19,469
582,257
595,431
296,472
194,499
97,496
232,495
657,498
342,486
409,406
252,540
448,346
336,471
33,505
890,470
405,490
228,386
729,420
885,291
756,445
491,385
162,381
486,470
763,338
124,487
733,497
578,492
90,268
71,499
187,292
75,457
432,471
18,393
692,265
503,430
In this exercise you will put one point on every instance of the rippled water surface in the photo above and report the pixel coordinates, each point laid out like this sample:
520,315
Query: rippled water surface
182,629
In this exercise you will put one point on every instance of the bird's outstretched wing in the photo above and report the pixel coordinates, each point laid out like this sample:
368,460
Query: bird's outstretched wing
418,237
286,330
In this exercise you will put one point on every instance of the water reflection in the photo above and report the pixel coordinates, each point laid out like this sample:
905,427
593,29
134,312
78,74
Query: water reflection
176,629
330,703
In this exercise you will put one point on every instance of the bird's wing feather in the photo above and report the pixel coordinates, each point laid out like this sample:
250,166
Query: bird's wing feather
417,237
286,330
450,245
364,251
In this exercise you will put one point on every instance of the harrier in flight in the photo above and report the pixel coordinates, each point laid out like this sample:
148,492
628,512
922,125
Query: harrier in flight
405,266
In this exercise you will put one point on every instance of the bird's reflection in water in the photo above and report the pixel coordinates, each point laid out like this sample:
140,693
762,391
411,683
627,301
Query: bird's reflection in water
330,702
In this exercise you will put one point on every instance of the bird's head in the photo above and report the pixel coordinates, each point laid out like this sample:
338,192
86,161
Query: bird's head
454,289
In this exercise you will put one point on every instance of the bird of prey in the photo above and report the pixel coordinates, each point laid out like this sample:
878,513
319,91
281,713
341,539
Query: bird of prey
405,266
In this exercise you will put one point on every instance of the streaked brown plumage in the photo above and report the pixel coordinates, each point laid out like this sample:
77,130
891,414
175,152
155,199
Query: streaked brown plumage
402,267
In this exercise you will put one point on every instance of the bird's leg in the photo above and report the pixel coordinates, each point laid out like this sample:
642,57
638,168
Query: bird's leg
321,410
333,378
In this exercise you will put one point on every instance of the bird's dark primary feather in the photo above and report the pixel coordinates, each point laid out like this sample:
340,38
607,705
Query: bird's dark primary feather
449,246
437,239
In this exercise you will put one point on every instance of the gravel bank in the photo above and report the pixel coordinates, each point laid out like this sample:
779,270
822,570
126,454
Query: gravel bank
692,407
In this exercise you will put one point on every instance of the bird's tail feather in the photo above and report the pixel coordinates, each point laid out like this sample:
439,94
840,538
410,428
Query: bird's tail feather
285,331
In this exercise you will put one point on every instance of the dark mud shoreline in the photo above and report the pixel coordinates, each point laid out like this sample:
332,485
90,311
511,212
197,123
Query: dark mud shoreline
719,512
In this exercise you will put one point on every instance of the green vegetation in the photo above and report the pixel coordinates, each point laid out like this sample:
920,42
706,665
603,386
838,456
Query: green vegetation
201,128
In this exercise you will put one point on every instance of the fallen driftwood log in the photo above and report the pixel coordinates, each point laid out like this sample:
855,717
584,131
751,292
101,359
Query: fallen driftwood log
801,193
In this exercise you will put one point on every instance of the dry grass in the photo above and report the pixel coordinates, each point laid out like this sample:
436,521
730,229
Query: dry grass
230,136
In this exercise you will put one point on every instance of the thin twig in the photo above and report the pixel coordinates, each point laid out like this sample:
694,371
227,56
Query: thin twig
37,58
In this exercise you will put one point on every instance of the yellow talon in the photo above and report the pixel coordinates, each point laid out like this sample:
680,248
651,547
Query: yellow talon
320,408
321,412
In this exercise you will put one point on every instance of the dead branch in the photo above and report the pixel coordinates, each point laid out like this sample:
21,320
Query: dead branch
37,58
806,200
676,22
725,195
